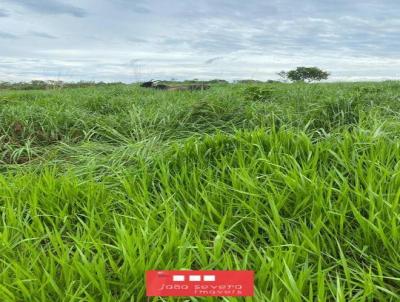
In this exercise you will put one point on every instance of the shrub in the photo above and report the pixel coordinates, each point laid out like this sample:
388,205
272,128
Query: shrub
334,113
258,93
209,115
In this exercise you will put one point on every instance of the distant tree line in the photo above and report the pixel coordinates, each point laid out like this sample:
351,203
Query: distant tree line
194,81
43,85
248,81
300,74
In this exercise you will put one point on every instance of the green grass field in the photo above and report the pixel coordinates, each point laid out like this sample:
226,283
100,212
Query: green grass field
298,182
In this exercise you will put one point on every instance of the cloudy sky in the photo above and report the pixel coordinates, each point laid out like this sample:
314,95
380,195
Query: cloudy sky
133,40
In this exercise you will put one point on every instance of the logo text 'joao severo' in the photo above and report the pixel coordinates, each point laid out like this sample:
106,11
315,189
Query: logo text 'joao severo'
200,283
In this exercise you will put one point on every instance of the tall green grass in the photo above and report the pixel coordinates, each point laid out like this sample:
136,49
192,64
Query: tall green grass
99,185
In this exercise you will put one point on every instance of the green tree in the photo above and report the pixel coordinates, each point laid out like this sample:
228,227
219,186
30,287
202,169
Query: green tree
283,75
307,74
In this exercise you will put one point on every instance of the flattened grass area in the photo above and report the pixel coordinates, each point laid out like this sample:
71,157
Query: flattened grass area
300,184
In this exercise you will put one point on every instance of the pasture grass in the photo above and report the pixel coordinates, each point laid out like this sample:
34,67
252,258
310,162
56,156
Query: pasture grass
300,183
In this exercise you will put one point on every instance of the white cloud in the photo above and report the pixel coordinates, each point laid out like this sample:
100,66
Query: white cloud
135,40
